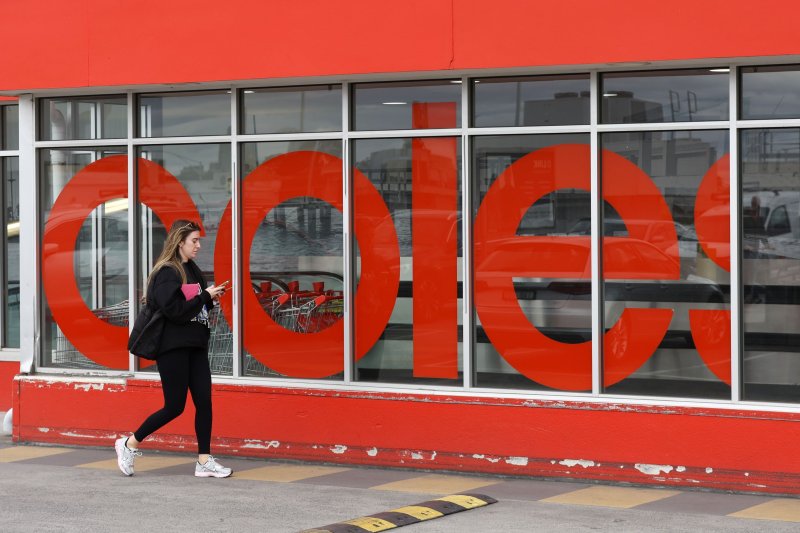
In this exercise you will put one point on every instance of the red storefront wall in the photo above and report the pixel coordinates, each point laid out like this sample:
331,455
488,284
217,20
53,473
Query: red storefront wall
93,43
711,448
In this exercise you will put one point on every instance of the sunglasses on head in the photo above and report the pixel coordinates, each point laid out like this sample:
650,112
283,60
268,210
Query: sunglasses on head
191,226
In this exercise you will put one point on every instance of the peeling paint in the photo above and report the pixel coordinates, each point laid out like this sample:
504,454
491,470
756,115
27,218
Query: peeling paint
478,456
433,456
553,462
372,452
518,461
261,445
339,449
574,462
680,469
747,474
44,430
709,470
89,386
416,455
80,435
653,470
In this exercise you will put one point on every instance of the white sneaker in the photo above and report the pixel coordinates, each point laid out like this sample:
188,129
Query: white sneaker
125,456
211,469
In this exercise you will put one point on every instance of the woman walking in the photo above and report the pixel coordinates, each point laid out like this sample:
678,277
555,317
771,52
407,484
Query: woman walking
178,288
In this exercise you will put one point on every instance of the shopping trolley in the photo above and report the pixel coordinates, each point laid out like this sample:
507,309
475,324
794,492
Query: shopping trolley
220,343
309,314
325,312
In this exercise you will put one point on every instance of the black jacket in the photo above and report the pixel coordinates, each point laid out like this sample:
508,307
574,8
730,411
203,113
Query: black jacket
180,331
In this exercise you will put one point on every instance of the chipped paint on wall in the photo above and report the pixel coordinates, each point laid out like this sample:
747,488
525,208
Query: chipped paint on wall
574,462
490,459
260,445
709,470
339,449
653,470
89,386
518,461
372,452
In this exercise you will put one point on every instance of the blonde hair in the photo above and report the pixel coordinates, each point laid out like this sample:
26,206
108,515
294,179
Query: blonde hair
170,254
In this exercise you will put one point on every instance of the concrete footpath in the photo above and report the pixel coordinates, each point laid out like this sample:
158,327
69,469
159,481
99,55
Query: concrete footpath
80,489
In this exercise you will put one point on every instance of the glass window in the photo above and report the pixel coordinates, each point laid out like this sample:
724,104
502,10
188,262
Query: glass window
532,288
533,101
770,176
293,282
407,213
292,109
405,106
9,127
9,170
770,92
665,96
86,117
188,181
84,257
666,290
185,114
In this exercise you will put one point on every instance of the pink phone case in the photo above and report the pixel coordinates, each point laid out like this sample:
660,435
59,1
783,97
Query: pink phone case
190,290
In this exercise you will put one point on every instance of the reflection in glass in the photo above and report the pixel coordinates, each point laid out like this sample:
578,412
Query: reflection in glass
204,171
417,193
405,106
532,101
770,166
652,260
101,255
292,109
518,303
9,170
185,114
9,127
85,117
296,263
770,92
664,96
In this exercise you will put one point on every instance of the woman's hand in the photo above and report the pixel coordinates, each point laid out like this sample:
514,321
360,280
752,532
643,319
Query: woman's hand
217,290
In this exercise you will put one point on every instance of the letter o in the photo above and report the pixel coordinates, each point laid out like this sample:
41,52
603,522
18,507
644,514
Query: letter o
316,174
96,183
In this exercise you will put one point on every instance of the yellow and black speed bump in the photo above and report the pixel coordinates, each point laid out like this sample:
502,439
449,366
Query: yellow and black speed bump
410,514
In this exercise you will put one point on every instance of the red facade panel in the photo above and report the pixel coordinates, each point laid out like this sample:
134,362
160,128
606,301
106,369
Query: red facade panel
514,33
100,43
676,446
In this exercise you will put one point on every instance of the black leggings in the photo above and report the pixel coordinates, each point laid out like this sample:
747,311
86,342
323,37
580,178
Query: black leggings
183,370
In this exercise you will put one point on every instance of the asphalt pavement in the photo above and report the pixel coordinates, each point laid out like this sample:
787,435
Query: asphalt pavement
67,489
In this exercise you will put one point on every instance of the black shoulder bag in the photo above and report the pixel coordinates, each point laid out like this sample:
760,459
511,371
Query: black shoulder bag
148,327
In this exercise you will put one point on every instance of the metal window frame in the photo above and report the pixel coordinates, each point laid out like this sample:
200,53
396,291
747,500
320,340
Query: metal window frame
348,250
5,154
29,237
30,266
